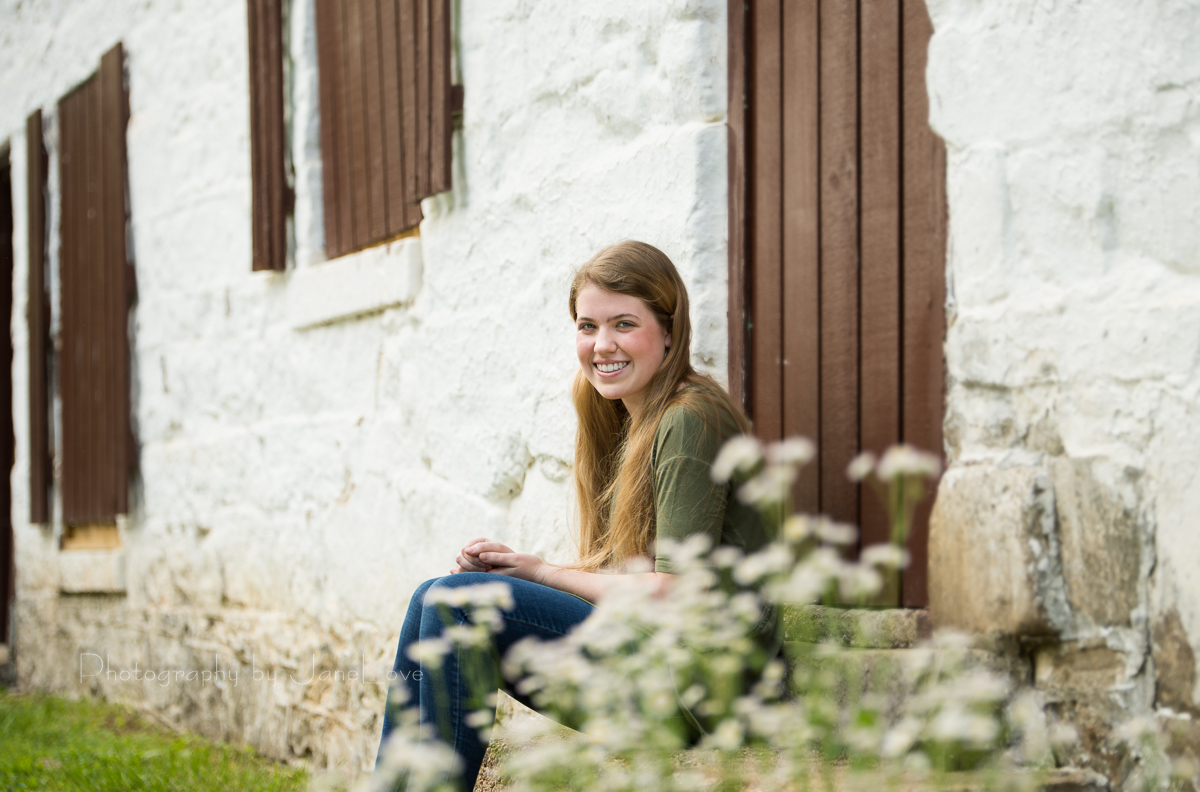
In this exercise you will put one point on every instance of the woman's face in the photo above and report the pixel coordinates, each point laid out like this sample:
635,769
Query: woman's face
620,344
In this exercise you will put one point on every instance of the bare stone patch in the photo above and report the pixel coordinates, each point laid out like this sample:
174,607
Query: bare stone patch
1101,545
1174,665
1069,667
991,540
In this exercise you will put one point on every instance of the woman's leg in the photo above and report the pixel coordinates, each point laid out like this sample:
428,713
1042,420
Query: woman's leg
405,674
443,695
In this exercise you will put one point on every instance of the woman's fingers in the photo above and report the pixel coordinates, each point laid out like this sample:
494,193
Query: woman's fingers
468,563
508,559
487,546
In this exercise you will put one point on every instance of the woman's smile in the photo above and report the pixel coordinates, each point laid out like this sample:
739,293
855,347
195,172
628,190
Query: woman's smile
612,368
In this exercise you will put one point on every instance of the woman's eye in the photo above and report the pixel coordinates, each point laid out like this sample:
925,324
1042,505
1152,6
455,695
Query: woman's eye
586,326
624,323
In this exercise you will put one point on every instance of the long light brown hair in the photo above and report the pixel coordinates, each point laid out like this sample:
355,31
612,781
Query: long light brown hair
613,477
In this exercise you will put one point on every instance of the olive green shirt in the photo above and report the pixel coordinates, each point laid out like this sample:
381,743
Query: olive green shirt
686,499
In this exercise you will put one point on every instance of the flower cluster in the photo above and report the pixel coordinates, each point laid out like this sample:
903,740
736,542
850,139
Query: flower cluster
652,673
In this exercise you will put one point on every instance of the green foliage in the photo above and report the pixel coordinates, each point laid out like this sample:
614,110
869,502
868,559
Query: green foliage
48,743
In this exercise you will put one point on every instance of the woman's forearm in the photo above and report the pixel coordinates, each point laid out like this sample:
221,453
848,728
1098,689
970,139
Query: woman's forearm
592,586
484,555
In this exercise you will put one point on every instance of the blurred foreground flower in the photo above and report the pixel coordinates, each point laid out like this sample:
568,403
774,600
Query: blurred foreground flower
650,674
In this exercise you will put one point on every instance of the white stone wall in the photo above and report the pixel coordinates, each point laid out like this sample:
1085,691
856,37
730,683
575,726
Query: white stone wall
1073,349
315,443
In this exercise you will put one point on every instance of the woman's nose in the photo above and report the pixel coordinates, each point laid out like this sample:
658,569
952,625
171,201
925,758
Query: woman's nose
605,341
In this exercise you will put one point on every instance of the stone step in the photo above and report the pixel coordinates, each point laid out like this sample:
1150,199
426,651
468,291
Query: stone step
862,628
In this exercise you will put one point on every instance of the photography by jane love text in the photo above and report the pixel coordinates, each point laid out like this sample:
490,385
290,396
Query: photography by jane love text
95,666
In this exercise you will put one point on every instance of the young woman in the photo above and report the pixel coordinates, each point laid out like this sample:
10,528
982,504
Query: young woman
650,426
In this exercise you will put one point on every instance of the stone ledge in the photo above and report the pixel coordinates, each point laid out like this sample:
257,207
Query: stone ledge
861,628
355,285
91,571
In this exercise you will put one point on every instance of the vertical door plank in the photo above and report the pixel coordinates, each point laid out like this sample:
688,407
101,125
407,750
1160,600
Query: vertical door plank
356,115
114,103
329,57
879,84
736,147
439,98
409,108
839,256
373,100
38,316
393,131
801,235
924,277
766,157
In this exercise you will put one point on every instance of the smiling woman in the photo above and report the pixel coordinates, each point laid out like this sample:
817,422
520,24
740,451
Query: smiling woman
621,343
650,426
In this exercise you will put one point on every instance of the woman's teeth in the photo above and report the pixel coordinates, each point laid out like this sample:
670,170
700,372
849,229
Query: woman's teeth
609,368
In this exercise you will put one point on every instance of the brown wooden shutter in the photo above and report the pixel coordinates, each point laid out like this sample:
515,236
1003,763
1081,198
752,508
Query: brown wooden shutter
7,440
38,317
844,239
385,115
96,290
271,197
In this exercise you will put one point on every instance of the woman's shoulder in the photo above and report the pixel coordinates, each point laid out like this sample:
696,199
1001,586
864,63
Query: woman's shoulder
698,417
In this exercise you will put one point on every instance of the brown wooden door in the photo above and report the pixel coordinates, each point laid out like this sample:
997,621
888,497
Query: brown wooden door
837,213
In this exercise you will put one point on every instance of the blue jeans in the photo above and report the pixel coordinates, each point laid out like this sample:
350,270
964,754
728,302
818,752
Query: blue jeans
538,611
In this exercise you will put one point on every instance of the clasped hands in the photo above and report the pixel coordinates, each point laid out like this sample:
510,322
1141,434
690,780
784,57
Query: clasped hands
485,555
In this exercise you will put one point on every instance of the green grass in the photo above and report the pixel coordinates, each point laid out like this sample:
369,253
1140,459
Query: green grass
48,743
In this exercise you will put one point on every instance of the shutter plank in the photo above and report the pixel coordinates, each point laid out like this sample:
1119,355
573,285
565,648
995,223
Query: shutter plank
67,194
38,317
328,20
94,341
356,115
259,233
880,239
346,144
280,192
924,279
115,114
439,100
7,266
839,257
801,236
393,130
74,458
424,80
267,135
766,158
409,108
373,100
